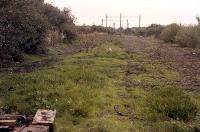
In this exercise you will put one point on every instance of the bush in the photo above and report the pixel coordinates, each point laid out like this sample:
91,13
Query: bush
69,31
61,20
154,30
24,25
173,103
188,37
168,34
185,36
84,29
22,28
141,31
95,28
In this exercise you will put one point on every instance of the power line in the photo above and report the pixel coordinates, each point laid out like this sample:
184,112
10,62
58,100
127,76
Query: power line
111,20
113,16
130,16
121,19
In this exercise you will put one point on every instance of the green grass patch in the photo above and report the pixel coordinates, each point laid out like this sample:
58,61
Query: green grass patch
172,103
85,87
80,88
110,50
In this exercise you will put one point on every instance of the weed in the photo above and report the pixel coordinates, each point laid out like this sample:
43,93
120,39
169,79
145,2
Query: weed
173,103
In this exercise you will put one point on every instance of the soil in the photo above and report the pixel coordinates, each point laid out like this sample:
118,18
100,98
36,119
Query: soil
186,61
46,61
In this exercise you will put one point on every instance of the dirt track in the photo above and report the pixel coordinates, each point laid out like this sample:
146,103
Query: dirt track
184,60
47,61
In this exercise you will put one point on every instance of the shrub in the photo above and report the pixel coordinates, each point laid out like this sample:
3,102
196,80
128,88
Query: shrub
141,31
154,30
22,28
188,37
185,36
61,20
168,34
129,31
83,29
173,103
69,32
95,28
24,25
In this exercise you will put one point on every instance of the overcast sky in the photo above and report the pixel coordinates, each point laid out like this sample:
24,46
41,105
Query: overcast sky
152,11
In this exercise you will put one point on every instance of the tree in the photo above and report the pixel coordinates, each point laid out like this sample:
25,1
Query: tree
24,25
61,20
22,28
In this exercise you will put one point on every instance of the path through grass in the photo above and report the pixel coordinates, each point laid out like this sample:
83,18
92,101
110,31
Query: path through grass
89,90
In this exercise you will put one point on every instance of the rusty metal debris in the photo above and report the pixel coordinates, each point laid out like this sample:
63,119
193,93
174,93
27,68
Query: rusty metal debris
43,121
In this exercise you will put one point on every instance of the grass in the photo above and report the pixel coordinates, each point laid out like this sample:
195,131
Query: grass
172,103
85,87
